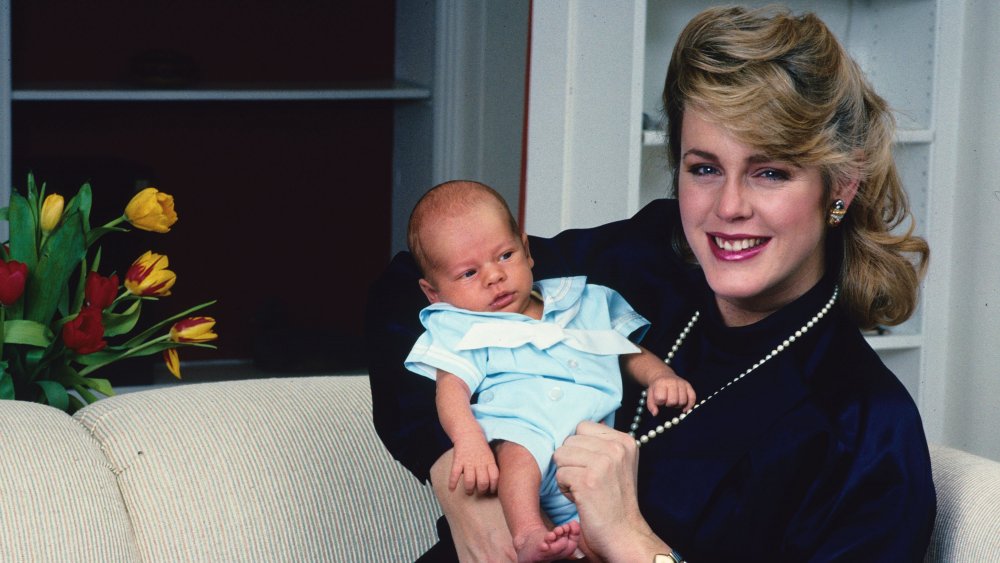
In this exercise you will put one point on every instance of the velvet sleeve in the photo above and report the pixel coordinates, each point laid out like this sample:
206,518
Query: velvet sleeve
880,504
402,403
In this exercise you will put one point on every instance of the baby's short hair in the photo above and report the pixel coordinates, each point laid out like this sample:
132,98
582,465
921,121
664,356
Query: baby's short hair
448,199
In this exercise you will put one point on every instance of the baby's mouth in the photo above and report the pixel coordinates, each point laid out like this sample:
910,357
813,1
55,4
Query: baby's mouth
502,300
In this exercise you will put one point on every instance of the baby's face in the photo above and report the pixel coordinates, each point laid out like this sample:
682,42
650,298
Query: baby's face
479,264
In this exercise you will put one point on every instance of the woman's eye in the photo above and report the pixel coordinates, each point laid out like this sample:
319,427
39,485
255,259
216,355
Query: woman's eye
703,170
773,174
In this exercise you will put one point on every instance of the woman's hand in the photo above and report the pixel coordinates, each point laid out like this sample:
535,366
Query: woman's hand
477,524
597,470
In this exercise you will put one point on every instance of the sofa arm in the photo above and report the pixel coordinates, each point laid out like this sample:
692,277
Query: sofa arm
285,469
967,527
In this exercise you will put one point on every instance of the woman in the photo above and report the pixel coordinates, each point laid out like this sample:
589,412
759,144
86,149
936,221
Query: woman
780,246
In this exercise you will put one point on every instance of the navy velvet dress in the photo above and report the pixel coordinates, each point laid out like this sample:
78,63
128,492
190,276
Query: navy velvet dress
818,455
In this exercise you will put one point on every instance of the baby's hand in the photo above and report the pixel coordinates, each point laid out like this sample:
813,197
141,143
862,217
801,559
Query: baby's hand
669,390
474,460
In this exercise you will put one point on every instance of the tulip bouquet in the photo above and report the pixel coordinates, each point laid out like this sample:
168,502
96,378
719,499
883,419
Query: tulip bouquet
61,319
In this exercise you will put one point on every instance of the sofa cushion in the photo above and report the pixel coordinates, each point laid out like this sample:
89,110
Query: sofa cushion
261,470
58,496
967,527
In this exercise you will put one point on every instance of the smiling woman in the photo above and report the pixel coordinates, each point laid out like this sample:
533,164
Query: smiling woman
755,225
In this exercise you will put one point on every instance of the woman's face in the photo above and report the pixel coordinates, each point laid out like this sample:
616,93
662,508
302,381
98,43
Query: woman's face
756,225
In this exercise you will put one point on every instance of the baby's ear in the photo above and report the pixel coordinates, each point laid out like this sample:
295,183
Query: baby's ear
527,251
429,291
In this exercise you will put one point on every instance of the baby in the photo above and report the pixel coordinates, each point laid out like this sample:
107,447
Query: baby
541,356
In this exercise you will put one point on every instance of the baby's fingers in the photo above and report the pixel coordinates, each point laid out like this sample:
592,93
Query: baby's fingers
494,473
690,396
484,478
456,472
470,479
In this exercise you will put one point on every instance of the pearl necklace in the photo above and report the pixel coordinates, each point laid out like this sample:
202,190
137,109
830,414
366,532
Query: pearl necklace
661,428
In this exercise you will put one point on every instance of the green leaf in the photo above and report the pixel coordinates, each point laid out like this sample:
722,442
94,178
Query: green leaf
102,386
63,253
6,383
3,213
103,357
55,394
34,201
75,404
82,201
23,230
80,294
32,358
27,332
121,323
86,394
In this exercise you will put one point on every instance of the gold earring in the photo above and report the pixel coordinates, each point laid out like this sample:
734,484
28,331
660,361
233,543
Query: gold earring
837,212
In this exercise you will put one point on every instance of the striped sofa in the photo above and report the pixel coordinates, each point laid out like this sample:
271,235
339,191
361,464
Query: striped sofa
278,470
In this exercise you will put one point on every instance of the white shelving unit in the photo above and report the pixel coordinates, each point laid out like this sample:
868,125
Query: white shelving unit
897,43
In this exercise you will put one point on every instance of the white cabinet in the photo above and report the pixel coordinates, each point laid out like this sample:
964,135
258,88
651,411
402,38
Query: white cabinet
590,162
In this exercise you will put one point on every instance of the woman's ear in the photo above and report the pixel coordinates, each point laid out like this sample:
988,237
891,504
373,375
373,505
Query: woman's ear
429,291
848,188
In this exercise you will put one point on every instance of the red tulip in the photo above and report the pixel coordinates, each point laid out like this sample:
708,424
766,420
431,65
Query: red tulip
12,277
85,333
101,291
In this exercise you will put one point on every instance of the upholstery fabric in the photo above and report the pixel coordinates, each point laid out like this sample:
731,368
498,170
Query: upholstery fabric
968,495
58,496
261,470
285,469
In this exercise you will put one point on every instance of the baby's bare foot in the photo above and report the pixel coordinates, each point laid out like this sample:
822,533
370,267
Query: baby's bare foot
541,544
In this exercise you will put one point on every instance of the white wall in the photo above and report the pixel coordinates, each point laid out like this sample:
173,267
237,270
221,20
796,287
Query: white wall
472,53
972,403
581,168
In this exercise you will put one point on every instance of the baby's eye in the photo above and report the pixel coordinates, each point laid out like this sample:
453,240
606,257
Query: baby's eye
506,255
468,274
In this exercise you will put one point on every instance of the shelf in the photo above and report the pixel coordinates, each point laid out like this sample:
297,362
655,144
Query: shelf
653,138
396,91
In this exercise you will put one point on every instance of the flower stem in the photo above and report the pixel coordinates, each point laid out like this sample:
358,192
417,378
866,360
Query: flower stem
125,354
115,222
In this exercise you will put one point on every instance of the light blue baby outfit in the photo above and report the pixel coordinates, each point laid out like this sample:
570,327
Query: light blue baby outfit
536,379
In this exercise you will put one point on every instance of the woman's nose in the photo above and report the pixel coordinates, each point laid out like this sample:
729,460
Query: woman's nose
732,203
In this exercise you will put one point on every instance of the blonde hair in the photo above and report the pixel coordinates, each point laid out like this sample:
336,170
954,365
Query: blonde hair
785,85
447,200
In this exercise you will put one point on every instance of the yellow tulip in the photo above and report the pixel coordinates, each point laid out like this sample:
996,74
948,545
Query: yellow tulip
151,210
173,361
149,275
52,210
193,329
